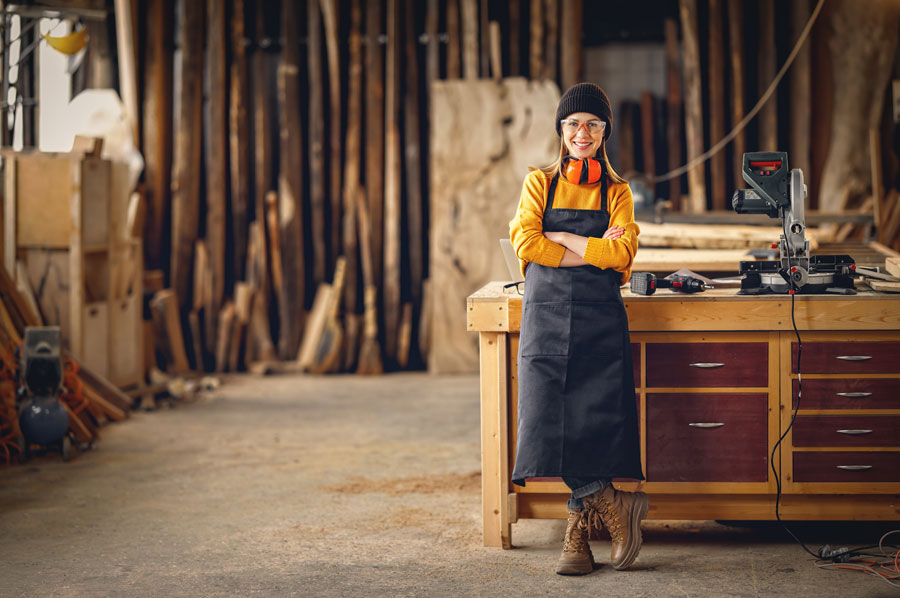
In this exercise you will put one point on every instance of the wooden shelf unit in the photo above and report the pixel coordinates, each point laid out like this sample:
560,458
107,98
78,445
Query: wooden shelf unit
717,471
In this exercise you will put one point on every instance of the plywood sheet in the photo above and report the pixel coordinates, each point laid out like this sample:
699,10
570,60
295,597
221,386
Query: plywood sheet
43,194
476,181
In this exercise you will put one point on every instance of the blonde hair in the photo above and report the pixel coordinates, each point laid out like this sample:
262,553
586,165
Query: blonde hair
552,169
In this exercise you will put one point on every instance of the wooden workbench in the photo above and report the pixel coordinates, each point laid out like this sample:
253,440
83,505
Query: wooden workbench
840,461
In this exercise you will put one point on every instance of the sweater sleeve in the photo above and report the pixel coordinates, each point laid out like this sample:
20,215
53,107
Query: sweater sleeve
617,254
526,231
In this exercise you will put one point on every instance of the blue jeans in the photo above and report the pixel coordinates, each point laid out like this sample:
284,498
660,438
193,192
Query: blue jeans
582,487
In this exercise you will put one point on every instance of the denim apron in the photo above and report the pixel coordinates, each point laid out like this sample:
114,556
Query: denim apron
576,414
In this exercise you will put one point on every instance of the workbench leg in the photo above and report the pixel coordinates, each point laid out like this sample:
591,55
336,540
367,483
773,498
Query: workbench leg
494,439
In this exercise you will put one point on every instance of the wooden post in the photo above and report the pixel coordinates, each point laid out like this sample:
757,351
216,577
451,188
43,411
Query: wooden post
352,182
494,440
647,125
317,171
736,44
187,159
432,53
216,152
291,290
470,39
329,14
536,63
673,108
375,132
717,104
801,92
514,49
453,48
414,212
239,134
157,127
768,116
127,69
392,182
571,59
693,105
551,39
262,127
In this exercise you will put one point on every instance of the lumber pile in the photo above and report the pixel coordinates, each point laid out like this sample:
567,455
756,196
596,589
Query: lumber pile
704,236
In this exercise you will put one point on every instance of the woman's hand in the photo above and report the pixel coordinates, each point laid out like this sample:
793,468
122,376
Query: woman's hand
613,233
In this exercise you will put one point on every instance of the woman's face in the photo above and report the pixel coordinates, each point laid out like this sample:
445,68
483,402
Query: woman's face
582,133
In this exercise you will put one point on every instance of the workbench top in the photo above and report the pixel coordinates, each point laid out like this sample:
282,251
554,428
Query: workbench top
497,309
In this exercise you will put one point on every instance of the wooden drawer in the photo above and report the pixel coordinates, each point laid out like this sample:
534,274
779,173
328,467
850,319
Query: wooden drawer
847,430
853,467
849,393
688,365
848,357
730,445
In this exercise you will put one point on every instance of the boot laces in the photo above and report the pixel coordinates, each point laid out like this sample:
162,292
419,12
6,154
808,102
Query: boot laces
609,515
576,531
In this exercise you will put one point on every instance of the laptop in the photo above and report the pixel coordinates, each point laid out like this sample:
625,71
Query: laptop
512,261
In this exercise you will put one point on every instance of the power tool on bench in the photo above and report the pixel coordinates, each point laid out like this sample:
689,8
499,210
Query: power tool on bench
646,283
780,193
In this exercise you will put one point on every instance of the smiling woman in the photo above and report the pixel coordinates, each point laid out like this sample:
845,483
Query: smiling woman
574,231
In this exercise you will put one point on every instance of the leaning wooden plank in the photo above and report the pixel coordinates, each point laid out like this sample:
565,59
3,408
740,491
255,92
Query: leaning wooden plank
243,298
892,265
314,325
288,263
536,54
262,118
164,307
78,427
453,47
327,356
103,387
23,285
223,343
693,105
392,181
375,119
369,361
10,174
317,165
720,197
108,409
157,125
258,330
571,56
201,267
238,136
216,156
432,53
736,46
188,144
330,19
801,97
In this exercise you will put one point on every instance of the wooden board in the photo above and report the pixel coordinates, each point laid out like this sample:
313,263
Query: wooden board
317,133
736,52
716,50
315,325
330,19
673,108
706,236
693,105
392,173
468,218
374,132
216,159
167,328
884,286
238,136
892,265
571,55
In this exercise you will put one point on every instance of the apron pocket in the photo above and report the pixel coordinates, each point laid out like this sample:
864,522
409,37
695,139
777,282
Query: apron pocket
545,329
598,328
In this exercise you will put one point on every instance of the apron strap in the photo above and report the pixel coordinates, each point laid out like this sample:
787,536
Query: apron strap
552,192
603,188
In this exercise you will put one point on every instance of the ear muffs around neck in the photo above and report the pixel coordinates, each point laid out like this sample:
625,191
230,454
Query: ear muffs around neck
583,171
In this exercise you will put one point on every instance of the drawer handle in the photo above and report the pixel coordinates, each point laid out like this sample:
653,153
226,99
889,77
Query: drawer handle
706,365
854,357
854,467
854,395
854,432
706,425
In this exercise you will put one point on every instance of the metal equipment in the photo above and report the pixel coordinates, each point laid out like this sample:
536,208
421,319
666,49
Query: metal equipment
780,193
42,416
646,283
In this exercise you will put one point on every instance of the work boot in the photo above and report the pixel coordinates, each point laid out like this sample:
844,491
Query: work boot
576,558
621,513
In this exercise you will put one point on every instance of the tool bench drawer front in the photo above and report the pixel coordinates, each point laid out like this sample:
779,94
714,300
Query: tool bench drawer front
707,438
847,430
689,365
848,393
846,466
872,357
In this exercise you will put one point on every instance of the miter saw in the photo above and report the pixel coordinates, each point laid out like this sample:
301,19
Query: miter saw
780,193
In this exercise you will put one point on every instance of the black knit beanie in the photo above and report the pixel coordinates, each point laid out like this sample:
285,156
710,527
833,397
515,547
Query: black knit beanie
585,97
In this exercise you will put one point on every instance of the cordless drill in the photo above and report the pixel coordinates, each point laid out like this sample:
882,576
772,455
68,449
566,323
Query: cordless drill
645,283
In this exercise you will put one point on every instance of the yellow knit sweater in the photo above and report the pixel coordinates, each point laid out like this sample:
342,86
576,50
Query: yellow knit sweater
526,229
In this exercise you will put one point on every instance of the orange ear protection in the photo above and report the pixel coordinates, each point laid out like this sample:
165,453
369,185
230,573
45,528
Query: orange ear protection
586,170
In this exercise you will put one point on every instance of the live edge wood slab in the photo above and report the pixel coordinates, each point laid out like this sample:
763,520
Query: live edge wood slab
695,484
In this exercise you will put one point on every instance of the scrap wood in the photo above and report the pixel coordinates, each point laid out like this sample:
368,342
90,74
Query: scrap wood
108,391
106,408
884,287
867,272
704,236
892,265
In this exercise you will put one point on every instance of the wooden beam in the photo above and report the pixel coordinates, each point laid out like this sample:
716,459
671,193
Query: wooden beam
167,327
188,144
239,136
736,45
157,126
720,198
551,38
127,68
673,108
768,116
375,127
317,170
453,49
392,181
262,118
470,39
216,154
223,342
536,63
288,265
330,18
432,51
415,220
514,48
571,56
693,105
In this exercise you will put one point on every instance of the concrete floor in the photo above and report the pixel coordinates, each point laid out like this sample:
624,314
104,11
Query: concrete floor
342,486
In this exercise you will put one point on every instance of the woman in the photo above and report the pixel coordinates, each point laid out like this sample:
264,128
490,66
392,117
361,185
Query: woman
575,234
